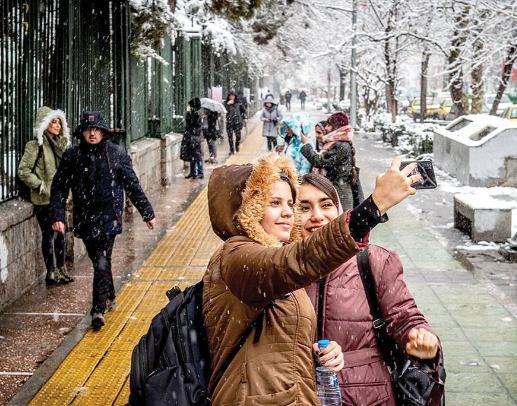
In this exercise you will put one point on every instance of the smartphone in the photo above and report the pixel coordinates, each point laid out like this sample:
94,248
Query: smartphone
424,168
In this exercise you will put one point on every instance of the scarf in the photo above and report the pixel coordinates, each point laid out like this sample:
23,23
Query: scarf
345,134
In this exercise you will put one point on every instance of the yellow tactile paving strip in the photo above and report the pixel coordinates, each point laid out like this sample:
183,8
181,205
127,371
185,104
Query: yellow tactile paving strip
96,370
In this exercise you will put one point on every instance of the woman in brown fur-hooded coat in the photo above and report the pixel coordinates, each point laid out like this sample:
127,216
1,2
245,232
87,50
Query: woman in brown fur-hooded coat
254,274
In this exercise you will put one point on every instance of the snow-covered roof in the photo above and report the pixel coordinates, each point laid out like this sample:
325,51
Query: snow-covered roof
469,129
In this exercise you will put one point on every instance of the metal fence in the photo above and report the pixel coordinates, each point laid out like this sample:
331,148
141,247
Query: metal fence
74,55
71,55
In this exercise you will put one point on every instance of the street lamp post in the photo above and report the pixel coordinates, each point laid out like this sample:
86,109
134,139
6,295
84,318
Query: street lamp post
353,78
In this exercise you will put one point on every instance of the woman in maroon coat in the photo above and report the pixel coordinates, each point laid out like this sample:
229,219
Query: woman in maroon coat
344,309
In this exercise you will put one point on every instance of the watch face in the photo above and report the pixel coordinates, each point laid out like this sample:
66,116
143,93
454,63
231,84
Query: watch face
424,168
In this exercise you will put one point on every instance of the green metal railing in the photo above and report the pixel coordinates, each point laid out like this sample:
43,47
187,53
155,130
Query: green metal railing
74,55
71,55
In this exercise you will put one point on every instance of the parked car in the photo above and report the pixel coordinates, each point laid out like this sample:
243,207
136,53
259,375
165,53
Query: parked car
445,108
441,96
488,100
510,113
431,109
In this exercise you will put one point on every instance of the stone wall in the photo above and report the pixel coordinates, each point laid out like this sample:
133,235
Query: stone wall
21,262
155,161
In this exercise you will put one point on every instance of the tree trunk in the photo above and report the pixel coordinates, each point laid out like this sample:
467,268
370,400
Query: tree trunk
455,70
477,72
423,84
507,71
477,90
342,83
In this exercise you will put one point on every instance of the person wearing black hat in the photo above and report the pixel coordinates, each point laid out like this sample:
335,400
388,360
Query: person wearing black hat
98,172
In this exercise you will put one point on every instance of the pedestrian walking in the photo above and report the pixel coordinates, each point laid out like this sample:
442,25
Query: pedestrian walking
190,149
343,313
235,118
271,116
337,158
37,168
290,145
210,128
302,96
97,172
256,278
288,96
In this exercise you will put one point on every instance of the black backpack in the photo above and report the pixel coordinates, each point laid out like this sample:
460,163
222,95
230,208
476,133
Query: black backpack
24,191
171,363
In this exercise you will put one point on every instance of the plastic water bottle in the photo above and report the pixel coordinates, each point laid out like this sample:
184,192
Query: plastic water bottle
328,383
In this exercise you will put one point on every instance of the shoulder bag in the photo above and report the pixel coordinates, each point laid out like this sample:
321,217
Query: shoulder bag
413,385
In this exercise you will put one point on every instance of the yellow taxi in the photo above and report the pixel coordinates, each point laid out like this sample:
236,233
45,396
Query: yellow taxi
431,109
445,108
510,113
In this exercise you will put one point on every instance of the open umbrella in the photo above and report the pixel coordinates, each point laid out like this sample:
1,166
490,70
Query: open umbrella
212,105
304,89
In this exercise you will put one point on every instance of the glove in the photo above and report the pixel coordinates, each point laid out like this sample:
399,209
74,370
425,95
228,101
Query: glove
41,188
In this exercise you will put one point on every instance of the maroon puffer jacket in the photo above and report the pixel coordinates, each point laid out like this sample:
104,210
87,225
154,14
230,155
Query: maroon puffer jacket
365,380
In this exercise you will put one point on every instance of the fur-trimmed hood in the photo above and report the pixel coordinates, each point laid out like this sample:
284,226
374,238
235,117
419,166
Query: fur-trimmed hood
239,194
43,118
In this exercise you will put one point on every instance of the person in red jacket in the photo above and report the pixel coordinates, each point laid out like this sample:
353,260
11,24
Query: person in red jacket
340,302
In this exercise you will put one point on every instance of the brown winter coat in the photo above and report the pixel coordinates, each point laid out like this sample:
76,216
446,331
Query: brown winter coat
347,320
253,269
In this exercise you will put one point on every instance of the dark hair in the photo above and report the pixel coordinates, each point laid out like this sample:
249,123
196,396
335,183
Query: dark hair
285,178
323,184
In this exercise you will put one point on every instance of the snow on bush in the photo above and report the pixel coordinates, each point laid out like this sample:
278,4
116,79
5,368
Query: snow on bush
151,22
409,138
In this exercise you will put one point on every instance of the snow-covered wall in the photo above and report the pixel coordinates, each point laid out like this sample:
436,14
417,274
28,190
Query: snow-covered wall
487,162
476,162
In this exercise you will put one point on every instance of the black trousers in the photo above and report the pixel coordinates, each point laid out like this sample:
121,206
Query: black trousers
288,105
212,147
271,143
52,242
231,131
99,250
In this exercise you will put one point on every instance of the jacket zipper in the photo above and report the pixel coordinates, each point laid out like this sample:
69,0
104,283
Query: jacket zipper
319,313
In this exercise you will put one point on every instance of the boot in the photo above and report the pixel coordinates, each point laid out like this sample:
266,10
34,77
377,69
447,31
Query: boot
65,275
50,279
98,321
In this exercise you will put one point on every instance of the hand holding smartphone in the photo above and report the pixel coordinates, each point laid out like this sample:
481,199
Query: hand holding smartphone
424,168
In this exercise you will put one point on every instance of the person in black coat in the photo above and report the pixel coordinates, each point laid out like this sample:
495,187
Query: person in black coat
235,118
211,133
288,96
97,171
302,96
191,143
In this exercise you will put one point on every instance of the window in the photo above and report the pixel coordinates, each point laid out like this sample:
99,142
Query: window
514,113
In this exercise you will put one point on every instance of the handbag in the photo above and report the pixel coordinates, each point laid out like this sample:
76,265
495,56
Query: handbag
412,383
